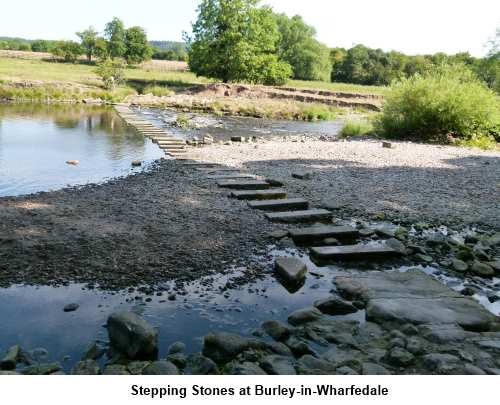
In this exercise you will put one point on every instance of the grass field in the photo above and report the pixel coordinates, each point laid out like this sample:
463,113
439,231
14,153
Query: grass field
160,72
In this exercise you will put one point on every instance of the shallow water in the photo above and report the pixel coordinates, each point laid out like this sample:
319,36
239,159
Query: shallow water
224,127
37,140
33,316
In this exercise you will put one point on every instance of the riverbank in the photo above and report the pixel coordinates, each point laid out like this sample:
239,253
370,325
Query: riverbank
418,182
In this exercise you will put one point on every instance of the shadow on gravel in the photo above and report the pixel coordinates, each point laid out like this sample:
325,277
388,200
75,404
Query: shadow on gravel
465,190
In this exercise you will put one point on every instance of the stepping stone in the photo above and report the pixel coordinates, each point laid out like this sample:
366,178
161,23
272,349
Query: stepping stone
354,252
231,176
299,216
414,297
212,170
320,232
259,195
280,205
172,147
244,184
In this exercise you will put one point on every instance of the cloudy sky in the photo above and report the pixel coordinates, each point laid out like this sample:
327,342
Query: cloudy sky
422,26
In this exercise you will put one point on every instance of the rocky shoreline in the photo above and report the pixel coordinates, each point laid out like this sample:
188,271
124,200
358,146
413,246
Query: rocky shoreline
412,323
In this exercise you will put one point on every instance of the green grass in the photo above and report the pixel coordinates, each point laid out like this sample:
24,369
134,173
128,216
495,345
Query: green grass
356,128
338,87
158,91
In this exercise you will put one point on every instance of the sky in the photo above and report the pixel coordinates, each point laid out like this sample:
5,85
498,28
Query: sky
412,27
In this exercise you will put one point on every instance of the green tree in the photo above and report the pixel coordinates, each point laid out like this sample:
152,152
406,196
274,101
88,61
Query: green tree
115,35
67,50
236,41
137,47
88,40
310,60
111,72
101,50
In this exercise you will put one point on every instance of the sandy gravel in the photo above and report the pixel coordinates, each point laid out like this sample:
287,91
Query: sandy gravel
145,229
441,184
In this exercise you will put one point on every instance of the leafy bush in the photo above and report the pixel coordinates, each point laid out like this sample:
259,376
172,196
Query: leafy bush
443,105
111,72
356,128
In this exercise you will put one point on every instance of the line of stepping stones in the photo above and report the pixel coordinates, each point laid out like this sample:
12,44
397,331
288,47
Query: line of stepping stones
414,304
172,146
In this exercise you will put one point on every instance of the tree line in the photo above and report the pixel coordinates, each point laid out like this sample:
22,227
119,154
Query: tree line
237,40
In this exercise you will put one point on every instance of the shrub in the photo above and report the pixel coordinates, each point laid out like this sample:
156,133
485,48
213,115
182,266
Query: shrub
67,50
356,128
447,104
111,72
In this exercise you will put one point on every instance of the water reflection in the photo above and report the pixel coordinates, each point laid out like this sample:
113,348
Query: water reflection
37,140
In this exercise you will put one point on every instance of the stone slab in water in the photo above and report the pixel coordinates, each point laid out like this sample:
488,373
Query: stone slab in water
280,204
290,269
414,297
354,252
320,232
259,195
244,184
299,216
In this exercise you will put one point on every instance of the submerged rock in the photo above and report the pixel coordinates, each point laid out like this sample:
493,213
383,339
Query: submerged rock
132,335
71,307
276,329
304,315
335,306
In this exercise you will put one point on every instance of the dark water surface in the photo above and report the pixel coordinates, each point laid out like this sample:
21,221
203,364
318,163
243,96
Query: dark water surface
36,141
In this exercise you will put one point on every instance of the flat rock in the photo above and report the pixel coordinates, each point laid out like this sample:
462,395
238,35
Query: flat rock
321,232
244,184
299,216
354,252
280,204
414,297
290,269
132,335
86,367
259,195
246,368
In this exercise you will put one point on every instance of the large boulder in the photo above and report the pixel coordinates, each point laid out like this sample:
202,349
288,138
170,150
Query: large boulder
161,367
132,336
335,306
304,315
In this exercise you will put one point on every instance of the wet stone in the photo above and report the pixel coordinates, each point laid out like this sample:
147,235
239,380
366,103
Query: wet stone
482,269
374,369
132,335
246,368
290,269
71,307
304,315
399,357
86,367
277,330
335,306
201,365
222,347
115,369
161,367
278,365
11,358
459,265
